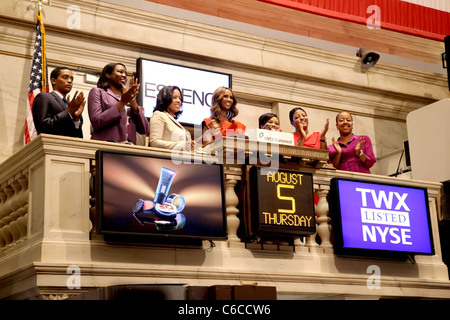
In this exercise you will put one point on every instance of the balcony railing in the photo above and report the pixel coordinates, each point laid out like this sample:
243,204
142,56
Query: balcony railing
47,214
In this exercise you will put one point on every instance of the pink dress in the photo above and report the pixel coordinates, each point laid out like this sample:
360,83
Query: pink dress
349,160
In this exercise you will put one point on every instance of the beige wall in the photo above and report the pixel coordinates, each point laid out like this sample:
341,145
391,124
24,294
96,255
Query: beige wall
268,74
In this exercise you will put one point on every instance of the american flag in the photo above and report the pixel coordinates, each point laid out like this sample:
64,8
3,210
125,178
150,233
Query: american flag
38,77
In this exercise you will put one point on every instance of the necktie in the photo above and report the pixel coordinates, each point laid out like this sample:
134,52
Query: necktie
65,102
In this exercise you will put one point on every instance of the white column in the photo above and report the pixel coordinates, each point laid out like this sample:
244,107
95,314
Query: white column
231,201
322,210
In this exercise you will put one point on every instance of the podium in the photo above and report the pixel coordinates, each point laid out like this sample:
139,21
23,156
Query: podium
246,150
429,139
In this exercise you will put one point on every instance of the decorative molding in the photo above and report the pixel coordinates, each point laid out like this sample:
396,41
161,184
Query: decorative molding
38,266
292,23
254,49
262,68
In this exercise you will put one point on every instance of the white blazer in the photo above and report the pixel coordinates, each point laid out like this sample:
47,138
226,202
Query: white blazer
166,132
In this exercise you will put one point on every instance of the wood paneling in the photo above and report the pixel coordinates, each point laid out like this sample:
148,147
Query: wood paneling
315,26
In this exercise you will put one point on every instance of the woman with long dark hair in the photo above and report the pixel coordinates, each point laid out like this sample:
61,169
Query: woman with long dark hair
302,136
106,107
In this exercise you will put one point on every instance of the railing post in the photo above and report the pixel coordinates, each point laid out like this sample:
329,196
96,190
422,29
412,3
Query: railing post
322,210
231,208
311,241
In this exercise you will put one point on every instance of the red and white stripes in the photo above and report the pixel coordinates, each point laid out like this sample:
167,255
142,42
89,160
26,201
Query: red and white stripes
428,19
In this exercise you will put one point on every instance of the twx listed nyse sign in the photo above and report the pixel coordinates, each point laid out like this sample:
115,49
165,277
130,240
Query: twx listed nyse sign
384,217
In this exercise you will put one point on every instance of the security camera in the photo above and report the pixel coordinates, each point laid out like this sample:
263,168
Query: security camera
369,58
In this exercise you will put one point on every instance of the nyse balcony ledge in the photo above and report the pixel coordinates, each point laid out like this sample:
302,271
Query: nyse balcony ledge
49,248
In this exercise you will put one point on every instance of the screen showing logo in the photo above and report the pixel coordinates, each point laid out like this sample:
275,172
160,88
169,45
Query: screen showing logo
383,217
147,196
197,87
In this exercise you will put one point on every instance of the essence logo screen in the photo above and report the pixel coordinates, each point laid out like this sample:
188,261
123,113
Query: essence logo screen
197,86
384,217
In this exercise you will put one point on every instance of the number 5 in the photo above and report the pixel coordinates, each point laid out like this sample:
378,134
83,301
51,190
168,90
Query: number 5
292,210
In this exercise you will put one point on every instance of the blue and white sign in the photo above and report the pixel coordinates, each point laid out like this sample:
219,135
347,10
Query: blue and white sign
384,217
268,136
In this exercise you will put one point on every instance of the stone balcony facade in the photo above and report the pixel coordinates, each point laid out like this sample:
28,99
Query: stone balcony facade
47,219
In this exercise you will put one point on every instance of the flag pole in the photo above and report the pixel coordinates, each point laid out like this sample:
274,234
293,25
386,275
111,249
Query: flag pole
40,2
38,74
45,85
44,56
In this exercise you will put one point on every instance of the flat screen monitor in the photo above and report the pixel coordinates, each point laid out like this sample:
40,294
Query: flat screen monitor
282,202
139,195
197,86
380,219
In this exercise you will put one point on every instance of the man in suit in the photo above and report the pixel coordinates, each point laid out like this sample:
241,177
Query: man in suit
53,113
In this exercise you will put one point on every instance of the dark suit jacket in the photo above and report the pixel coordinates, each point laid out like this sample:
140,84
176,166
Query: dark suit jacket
50,115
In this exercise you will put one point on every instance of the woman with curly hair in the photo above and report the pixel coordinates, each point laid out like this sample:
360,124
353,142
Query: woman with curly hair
223,111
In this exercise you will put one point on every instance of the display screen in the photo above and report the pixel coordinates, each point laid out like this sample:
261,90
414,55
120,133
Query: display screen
380,217
282,202
197,87
147,196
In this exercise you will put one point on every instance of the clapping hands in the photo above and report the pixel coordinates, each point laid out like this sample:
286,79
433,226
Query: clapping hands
324,130
76,105
128,95
359,146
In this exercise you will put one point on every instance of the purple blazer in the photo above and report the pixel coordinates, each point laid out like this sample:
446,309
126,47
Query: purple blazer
108,122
